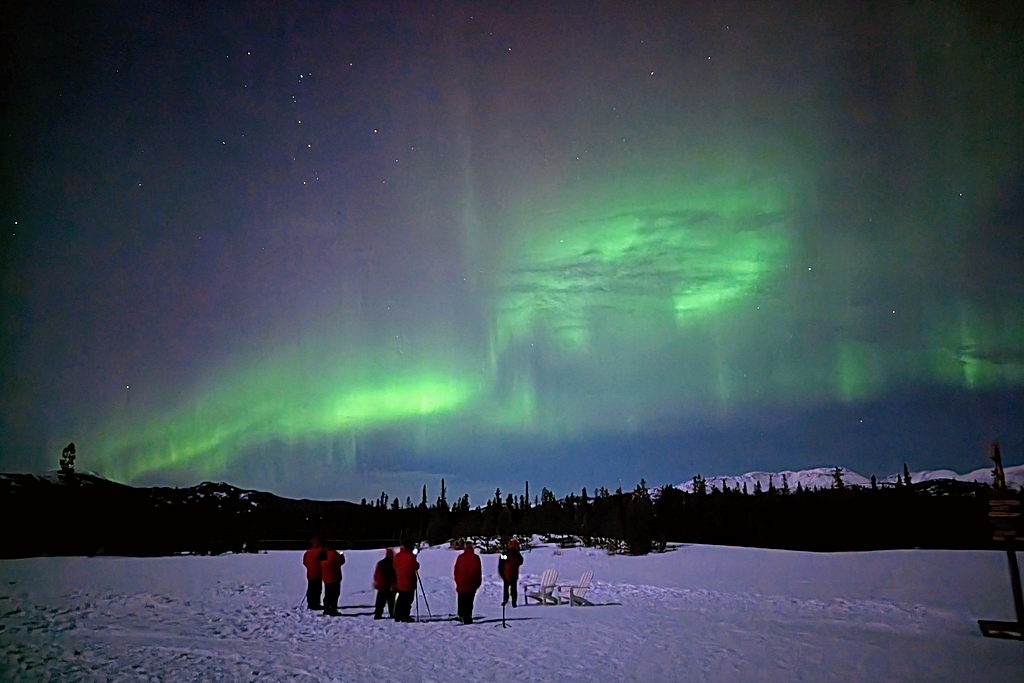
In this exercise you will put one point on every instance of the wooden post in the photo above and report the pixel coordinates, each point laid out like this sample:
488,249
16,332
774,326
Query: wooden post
1018,597
1005,517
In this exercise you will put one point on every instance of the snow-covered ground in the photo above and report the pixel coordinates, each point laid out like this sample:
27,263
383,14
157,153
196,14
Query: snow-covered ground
697,613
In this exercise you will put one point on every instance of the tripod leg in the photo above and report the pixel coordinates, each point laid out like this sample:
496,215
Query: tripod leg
422,590
502,624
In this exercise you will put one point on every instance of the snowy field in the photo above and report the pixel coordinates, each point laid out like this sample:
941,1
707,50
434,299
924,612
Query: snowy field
698,613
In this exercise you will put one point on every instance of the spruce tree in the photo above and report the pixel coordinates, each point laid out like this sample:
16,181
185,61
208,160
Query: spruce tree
906,475
442,500
785,486
837,478
67,459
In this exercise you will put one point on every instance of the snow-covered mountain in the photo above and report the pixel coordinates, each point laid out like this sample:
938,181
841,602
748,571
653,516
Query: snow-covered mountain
821,478
1014,476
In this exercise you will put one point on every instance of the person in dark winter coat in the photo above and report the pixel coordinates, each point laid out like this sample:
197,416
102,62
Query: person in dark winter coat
508,567
330,568
406,567
384,581
468,578
311,559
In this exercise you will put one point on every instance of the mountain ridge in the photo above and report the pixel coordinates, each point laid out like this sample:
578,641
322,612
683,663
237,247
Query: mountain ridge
822,478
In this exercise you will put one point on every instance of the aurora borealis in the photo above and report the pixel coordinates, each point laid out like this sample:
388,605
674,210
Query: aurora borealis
331,249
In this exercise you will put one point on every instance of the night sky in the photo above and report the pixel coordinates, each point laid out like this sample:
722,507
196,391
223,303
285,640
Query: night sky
328,249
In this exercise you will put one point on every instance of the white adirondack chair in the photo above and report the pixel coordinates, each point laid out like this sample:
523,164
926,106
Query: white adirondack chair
543,592
574,594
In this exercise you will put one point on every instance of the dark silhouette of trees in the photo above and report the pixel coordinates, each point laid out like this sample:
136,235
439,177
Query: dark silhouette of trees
67,459
837,478
217,518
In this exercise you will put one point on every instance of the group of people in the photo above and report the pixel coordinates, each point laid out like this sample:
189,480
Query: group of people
396,575
323,571
395,579
469,577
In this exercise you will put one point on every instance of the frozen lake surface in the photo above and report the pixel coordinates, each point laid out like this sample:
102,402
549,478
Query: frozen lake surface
697,613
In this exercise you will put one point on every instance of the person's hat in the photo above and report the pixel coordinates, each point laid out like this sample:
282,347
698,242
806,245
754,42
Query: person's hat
513,544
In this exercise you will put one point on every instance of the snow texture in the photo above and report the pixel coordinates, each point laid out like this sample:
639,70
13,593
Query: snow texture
696,613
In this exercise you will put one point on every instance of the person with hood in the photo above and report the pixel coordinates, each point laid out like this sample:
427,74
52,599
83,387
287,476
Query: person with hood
384,582
468,578
311,560
330,568
508,568
406,567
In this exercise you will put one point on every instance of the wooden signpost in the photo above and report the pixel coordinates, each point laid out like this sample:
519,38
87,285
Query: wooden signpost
1004,515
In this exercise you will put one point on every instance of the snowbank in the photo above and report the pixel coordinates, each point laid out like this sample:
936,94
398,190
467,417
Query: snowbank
698,613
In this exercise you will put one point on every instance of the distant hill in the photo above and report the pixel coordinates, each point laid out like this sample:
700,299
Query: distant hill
821,478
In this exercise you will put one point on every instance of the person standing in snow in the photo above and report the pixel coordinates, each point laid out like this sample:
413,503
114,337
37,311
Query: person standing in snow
468,578
311,560
508,568
406,567
384,582
330,568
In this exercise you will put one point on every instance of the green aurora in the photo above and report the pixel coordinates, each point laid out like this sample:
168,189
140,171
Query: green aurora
664,287
635,262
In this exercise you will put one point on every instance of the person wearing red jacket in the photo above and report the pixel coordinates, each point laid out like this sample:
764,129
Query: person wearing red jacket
311,560
384,582
508,566
406,567
330,568
468,578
